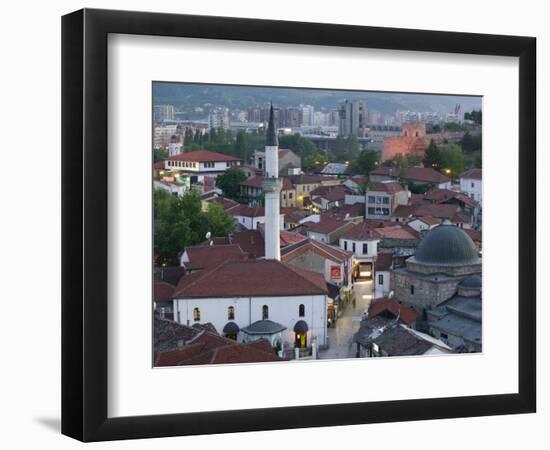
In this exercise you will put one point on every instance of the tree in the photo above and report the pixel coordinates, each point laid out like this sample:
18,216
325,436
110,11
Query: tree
474,116
366,162
241,146
413,160
432,156
452,160
229,182
313,162
181,222
219,222
159,154
471,143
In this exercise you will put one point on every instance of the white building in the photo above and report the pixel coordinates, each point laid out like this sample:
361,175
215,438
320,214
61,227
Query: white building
363,242
200,163
174,187
424,223
382,274
471,184
251,217
247,299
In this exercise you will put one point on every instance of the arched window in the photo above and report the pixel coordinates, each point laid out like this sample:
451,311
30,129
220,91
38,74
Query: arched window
196,314
302,310
265,312
231,313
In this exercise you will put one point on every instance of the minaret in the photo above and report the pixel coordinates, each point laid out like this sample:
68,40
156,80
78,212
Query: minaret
272,190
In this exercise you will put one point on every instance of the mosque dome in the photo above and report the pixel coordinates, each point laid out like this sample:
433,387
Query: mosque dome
447,245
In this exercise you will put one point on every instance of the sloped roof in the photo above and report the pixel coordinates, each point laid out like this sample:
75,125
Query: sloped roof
202,156
383,261
327,251
203,256
248,211
328,224
423,174
163,291
390,187
472,174
361,231
406,314
251,278
396,232
439,210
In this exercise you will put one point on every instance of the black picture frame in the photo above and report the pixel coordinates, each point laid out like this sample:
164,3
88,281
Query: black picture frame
84,224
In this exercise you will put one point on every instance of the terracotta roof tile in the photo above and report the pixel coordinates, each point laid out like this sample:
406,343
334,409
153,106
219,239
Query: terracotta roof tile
250,278
472,174
202,155
202,256
407,314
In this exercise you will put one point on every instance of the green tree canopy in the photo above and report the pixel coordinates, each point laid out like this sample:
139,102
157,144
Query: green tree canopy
181,222
452,158
365,162
229,182
432,156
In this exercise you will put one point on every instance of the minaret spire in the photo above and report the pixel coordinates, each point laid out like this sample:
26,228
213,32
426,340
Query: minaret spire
272,189
271,136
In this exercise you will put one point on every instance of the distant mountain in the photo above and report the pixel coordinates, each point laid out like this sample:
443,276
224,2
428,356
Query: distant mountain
186,97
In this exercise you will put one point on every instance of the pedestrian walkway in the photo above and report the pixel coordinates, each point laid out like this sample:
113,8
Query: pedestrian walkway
340,336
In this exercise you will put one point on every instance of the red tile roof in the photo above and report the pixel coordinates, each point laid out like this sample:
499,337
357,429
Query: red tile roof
248,211
475,235
429,220
472,174
250,278
407,314
328,224
202,155
439,210
390,187
256,182
361,231
383,261
163,291
424,174
202,256
403,211
397,232
311,245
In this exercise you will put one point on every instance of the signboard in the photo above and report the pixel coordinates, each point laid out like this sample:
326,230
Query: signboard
335,273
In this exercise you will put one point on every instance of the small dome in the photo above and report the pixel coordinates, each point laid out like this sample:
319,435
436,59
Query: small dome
447,245
231,328
301,327
471,282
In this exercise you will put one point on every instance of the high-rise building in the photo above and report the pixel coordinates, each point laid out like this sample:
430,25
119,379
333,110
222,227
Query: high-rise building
219,119
353,118
164,112
307,115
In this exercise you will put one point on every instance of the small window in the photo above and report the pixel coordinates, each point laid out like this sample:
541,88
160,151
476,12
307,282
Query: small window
472,184
196,314
290,195
231,313
412,289
345,245
353,247
265,312
380,278
302,310
365,248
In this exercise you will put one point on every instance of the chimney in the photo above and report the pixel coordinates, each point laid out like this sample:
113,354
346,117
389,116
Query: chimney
272,190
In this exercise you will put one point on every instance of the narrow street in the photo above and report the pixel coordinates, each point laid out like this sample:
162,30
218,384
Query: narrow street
340,336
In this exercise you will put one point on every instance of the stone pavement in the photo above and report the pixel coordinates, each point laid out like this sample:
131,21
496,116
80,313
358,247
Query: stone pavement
340,345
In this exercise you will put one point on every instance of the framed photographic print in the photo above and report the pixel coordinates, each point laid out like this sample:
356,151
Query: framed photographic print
273,224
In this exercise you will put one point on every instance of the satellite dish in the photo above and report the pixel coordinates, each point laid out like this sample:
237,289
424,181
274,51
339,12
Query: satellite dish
208,235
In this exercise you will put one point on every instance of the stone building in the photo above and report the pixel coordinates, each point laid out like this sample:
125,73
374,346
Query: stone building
444,257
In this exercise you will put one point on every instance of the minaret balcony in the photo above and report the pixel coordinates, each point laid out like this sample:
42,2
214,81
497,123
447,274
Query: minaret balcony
272,184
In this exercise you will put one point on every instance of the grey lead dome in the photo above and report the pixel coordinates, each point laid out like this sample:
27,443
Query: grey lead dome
447,245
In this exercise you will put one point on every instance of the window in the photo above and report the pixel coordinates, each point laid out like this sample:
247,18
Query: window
302,310
353,247
371,199
196,314
412,289
365,248
472,184
231,313
386,200
290,195
345,245
380,278
265,312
